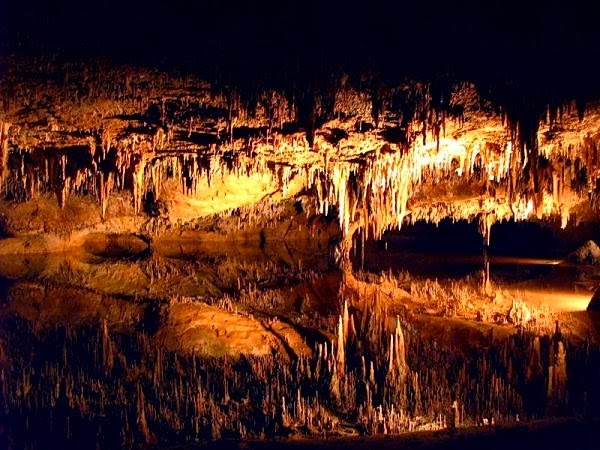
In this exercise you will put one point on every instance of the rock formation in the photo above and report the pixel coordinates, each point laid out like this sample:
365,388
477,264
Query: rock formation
588,253
164,150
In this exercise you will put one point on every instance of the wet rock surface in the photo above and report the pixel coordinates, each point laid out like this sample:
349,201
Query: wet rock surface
588,253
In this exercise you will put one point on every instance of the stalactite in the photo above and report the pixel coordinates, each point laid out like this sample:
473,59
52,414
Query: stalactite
138,183
4,139
105,186
341,350
373,181
345,321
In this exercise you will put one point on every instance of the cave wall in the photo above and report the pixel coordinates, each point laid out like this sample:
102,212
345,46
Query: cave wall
146,150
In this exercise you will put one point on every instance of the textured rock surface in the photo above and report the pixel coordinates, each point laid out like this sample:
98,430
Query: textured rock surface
133,149
594,302
588,253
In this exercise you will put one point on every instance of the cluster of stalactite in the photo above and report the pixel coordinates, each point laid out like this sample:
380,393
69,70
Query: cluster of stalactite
86,384
98,172
379,154
371,191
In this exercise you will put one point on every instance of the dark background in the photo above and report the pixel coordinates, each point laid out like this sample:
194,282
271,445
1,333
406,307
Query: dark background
550,42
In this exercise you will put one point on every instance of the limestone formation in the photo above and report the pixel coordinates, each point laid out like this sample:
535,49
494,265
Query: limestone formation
588,253
177,144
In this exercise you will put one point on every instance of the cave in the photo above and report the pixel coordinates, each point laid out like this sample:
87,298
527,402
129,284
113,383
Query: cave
299,224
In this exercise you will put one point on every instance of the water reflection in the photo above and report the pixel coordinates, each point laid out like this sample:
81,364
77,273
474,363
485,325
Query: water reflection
198,341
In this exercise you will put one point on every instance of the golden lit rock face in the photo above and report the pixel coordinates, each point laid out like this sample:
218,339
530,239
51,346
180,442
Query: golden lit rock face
181,149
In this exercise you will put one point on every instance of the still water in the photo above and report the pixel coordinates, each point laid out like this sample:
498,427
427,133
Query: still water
191,343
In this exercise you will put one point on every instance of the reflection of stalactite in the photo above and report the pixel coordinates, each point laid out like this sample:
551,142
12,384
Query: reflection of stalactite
107,348
401,365
191,395
557,373
142,423
534,366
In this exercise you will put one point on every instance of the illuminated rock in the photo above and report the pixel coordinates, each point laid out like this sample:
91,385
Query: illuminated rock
180,145
594,304
588,253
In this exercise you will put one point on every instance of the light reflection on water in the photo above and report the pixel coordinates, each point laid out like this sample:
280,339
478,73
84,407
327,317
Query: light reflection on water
85,339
